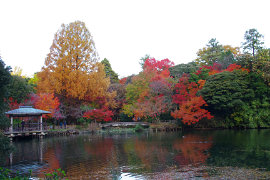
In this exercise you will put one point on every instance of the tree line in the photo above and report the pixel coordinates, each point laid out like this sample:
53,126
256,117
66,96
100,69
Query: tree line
223,87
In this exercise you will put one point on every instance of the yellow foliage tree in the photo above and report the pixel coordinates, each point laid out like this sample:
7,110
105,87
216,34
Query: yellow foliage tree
217,53
71,69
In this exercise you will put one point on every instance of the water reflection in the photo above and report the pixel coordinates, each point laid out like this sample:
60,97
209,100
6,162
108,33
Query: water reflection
193,149
142,156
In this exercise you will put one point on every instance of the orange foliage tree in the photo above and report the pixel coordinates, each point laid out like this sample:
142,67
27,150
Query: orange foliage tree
71,69
190,106
48,102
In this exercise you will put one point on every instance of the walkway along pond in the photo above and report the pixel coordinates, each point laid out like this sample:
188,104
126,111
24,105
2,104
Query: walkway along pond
199,154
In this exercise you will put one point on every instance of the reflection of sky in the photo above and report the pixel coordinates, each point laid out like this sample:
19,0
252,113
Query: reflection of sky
128,176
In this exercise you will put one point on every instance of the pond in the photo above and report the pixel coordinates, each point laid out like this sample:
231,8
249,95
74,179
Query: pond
200,154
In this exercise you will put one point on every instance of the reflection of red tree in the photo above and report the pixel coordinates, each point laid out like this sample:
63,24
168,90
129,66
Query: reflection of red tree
193,149
101,149
101,156
52,161
150,152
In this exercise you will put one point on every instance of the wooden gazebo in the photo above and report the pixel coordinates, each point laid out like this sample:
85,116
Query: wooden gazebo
22,112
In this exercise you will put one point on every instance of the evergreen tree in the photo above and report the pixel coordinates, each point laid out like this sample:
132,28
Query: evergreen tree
253,41
109,72
5,78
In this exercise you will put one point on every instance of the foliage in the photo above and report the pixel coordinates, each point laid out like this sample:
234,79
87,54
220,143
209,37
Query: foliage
162,65
178,70
5,147
261,64
98,86
226,91
19,89
143,59
119,99
138,128
5,79
253,41
70,62
109,72
8,174
240,97
149,93
48,102
99,115
55,175
72,72
216,53
33,81
190,106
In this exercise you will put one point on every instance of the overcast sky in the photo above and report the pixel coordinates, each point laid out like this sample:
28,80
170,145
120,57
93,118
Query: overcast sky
125,30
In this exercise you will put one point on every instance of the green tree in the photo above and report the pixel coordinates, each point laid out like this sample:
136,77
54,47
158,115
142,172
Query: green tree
216,53
19,89
178,70
109,72
253,41
224,92
239,97
5,79
209,54
261,65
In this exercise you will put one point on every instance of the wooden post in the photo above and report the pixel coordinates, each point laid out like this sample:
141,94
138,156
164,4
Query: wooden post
11,125
41,125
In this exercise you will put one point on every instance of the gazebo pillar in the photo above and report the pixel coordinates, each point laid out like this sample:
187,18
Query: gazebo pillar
41,124
11,125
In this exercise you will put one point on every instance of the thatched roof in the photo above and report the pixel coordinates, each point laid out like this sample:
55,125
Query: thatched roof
27,111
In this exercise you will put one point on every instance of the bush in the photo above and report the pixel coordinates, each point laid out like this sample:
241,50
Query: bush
138,128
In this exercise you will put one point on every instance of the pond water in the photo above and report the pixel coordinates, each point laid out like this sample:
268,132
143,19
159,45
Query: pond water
196,154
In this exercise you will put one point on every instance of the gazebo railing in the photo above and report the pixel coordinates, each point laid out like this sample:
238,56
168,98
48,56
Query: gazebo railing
28,127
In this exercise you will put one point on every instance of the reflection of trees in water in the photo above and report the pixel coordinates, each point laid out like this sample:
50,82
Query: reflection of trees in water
194,149
5,148
248,149
98,156
150,153
50,157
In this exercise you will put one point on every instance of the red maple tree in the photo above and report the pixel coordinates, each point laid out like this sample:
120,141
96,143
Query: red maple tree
99,115
190,106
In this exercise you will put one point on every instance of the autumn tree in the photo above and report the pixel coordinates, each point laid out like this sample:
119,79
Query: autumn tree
120,97
143,59
190,106
71,69
99,115
217,53
148,95
253,41
109,71
17,71
70,61
48,102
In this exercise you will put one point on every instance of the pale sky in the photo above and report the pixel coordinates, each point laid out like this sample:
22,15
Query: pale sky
125,30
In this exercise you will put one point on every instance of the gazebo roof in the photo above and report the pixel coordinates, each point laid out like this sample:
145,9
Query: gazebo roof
27,111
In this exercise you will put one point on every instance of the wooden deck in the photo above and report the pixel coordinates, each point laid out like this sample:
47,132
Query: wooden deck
25,133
